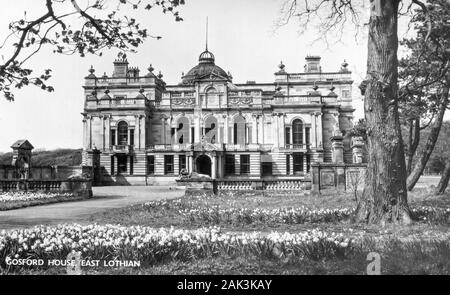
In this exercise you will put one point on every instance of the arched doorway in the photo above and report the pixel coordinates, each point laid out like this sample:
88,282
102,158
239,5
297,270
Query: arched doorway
204,165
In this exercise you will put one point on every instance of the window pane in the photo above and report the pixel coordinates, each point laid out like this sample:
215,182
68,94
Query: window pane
168,164
229,164
298,163
123,133
150,165
245,164
297,132
182,162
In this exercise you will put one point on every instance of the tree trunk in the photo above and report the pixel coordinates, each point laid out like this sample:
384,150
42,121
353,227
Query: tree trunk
414,137
443,183
431,142
384,197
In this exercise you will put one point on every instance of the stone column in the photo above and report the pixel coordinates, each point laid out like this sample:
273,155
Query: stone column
337,147
255,129
277,128
107,131
281,130
85,134
90,131
163,129
313,131
214,167
225,127
262,140
357,149
319,130
190,133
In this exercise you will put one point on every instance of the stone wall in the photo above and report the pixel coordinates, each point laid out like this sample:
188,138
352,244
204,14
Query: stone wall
338,177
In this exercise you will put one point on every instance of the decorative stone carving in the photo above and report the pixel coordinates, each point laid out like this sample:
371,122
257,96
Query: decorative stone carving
240,100
183,101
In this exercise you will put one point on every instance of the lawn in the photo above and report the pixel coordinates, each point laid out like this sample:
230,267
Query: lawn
16,200
243,233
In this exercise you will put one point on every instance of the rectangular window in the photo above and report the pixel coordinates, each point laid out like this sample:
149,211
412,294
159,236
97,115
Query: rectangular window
131,165
168,164
266,168
345,93
235,133
182,162
245,164
150,165
113,136
193,135
121,164
288,164
298,162
307,136
229,165
308,163
131,136
112,165
287,135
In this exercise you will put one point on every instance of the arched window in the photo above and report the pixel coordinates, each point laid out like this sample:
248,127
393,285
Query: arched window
212,98
211,129
297,132
182,130
123,133
240,130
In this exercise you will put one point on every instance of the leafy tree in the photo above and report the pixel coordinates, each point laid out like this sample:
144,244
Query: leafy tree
79,30
425,80
384,198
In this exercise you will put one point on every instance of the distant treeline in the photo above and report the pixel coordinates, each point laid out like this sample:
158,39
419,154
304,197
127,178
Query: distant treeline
59,157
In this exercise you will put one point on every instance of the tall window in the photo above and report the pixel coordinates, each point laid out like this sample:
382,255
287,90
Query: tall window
288,164
123,133
182,130
245,164
112,165
308,163
131,136
113,136
121,164
240,130
229,164
211,127
150,165
297,132
182,162
298,162
131,165
266,168
287,135
168,164
307,135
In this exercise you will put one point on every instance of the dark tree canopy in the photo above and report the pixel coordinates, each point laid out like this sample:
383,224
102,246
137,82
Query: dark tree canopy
82,29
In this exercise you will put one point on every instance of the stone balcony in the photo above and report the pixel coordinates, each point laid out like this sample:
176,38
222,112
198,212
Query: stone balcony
297,147
122,149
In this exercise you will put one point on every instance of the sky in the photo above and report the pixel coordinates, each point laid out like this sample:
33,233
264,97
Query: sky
242,36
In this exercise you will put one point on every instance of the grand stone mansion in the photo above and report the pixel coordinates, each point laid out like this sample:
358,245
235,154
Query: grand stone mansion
140,130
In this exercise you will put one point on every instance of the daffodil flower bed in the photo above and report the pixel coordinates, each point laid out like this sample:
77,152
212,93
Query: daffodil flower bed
431,214
198,212
152,246
14,200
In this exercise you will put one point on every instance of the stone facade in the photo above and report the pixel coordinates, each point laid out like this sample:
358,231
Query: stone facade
141,130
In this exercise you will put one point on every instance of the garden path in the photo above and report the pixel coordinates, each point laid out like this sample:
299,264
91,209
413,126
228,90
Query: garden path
105,198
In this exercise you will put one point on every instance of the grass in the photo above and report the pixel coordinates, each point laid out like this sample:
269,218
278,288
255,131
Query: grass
421,248
11,205
168,214
58,157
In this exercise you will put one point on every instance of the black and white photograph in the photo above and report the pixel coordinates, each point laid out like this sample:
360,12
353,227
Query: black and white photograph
224,145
